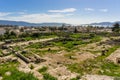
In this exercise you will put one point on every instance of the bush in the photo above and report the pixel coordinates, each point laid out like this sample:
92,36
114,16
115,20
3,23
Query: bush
92,35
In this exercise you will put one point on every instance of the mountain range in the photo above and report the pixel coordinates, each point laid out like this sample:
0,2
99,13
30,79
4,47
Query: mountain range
105,23
22,23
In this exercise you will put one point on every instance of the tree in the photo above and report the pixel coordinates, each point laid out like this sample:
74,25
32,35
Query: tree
13,33
89,28
75,30
21,29
35,35
63,26
7,33
116,28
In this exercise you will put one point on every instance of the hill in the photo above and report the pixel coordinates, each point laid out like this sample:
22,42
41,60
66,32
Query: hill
22,23
105,23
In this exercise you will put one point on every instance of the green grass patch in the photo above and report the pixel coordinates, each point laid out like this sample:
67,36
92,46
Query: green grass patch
68,44
35,45
94,52
70,56
47,76
15,74
43,69
43,52
110,51
97,66
16,48
110,69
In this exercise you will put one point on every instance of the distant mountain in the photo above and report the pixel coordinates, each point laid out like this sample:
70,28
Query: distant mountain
22,23
105,23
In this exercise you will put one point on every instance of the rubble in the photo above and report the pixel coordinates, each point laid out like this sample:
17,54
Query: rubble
8,59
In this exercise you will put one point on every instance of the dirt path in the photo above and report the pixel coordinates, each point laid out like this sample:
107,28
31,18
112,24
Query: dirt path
31,41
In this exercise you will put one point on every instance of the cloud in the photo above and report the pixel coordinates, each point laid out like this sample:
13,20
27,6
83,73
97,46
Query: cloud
21,12
63,11
2,14
38,17
69,14
89,9
43,15
103,10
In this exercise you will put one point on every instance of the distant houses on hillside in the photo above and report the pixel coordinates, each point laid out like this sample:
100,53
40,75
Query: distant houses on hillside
22,29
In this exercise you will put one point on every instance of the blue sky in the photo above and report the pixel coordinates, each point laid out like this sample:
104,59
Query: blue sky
68,11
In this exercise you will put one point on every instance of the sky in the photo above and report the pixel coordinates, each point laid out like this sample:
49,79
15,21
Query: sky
62,11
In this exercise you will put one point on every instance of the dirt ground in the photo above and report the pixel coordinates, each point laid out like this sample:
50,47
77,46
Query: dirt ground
56,62
113,57
96,77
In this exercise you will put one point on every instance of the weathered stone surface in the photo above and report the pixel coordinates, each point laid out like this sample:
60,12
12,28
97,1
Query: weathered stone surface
96,77
8,73
22,57
115,56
